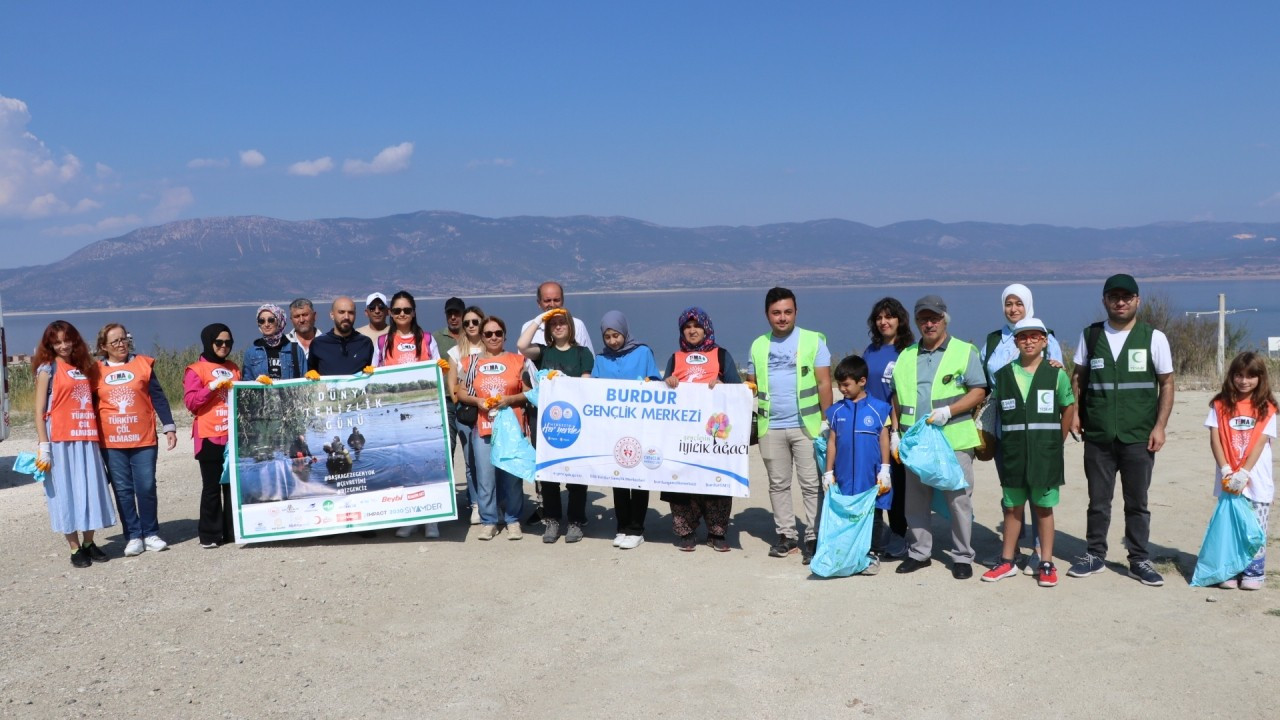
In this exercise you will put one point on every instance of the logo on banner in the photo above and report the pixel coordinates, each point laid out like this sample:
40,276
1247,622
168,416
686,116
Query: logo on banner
561,424
627,452
652,458
718,426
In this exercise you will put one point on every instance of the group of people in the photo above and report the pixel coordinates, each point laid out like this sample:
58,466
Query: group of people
1010,399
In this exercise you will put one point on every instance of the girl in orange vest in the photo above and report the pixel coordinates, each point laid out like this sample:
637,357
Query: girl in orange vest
75,484
700,360
129,398
205,388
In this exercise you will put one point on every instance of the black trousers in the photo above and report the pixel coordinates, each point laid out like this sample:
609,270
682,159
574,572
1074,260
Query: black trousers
215,498
1134,463
551,508
630,507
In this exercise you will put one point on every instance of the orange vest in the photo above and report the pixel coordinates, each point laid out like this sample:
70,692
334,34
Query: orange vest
70,414
697,367
213,420
397,350
496,376
125,413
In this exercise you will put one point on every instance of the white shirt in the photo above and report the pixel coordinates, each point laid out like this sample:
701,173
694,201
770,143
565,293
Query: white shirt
1161,358
455,355
579,333
1261,487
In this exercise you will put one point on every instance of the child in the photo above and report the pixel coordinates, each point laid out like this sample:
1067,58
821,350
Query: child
1241,422
858,446
1036,408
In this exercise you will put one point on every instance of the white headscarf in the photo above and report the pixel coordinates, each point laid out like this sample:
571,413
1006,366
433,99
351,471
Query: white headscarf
1024,294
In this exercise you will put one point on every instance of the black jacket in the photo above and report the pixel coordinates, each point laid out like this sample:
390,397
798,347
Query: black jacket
332,354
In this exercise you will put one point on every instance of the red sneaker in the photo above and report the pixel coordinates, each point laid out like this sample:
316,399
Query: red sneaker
1047,575
1004,569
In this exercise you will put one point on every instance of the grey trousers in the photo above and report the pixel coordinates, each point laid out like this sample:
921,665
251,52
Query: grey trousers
920,514
781,449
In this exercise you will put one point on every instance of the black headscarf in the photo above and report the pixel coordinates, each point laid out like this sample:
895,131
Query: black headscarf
206,338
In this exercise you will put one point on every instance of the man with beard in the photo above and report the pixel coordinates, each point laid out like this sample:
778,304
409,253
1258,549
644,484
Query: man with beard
342,350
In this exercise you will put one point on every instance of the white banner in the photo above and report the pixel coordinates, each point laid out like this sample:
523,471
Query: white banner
644,435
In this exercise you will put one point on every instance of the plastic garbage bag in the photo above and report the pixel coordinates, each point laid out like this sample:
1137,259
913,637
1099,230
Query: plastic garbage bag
511,450
820,453
926,452
844,534
1230,542
531,395
226,465
25,463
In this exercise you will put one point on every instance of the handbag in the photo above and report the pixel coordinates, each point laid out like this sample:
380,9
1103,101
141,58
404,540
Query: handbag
468,414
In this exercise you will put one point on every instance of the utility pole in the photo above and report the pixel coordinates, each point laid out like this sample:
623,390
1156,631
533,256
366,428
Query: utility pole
1222,312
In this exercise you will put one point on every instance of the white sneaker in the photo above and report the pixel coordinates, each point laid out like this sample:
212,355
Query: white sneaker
154,543
134,547
513,531
433,530
630,542
617,540
487,532
404,531
475,515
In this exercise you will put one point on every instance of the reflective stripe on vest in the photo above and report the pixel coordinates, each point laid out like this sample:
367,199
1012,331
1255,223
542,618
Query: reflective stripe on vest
125,412
809,404
960,430
214,419
1119,403
1031,429
70,413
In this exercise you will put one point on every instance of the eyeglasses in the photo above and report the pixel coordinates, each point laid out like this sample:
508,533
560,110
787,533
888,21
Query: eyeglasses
266,321
402,311
494,333
929,321
121,342
471,323
1121,299
1028,337
222,343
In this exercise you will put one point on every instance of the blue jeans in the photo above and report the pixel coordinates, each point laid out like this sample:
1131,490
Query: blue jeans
133,478
493,487
462,434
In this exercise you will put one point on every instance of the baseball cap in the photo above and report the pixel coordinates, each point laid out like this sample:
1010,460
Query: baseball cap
375,296
932,303
1029,323
1120,282
454,304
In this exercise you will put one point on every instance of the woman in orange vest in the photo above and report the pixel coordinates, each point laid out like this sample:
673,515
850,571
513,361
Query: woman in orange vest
75,485
700,360
129,399
205,388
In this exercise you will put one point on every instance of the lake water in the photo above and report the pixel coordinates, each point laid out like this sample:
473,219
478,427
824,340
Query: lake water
738,315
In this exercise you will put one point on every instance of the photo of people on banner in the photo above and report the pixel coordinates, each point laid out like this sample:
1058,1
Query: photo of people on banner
343,453
645,435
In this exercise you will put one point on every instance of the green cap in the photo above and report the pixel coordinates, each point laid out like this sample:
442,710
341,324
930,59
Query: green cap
1120,282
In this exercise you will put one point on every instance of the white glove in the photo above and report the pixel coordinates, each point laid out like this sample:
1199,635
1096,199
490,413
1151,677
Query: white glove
895,439
884,480
44,456
940,416
826,427
216,384
1237,480
828,477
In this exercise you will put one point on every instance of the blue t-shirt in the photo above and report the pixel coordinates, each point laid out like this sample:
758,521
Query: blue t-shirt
857,427
784,407
637,364
880,362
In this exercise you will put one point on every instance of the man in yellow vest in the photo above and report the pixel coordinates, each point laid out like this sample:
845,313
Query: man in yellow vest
939,380
791,368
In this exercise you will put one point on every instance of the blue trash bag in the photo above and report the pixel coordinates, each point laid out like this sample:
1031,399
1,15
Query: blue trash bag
226,465
511,450
25,463
820,453
1230,542
844,534
926,452
531,395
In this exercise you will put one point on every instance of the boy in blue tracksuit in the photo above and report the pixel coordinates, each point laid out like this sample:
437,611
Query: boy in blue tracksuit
858,446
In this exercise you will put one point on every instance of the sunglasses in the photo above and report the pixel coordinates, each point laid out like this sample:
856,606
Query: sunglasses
471,323
266,321
401,311
494,333
222,343
378,307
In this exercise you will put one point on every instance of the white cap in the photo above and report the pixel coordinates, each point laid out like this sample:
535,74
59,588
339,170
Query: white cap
375,296
1029,323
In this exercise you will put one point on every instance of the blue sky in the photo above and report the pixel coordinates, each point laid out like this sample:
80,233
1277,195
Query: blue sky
119,115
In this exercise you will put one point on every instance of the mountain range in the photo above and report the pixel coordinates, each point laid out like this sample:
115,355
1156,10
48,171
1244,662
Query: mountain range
437,253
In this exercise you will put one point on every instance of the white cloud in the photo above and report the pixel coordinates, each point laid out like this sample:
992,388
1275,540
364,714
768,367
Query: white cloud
32,177
172,202
252,158
198,163
492,162
169,206
103,171
390,160
104,226
311,168
1271,201
85,205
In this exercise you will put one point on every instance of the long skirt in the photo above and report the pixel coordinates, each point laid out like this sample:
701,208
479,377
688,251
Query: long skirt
76,488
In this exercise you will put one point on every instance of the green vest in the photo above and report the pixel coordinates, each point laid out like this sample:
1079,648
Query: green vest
806,380
948,384
1030,454
1119,403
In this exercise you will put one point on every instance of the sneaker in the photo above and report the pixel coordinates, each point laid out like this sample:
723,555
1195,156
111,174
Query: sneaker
1087,565
404,531
630,542
514,532
551,531
134,547
475,515
1032,565
688,543
154,543
785,546
1229,584
718,544
808,551
487,532
1145,573
574,533
80,559
1002,570
873,568
432,531
1251,583
1047,575
209,546
617,539
95,553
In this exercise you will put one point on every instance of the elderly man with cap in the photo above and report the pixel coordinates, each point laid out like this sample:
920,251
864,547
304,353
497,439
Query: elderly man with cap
939,380
375,308
1124,379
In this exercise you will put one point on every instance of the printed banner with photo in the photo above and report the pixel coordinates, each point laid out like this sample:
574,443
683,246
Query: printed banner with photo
339,454
644,435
